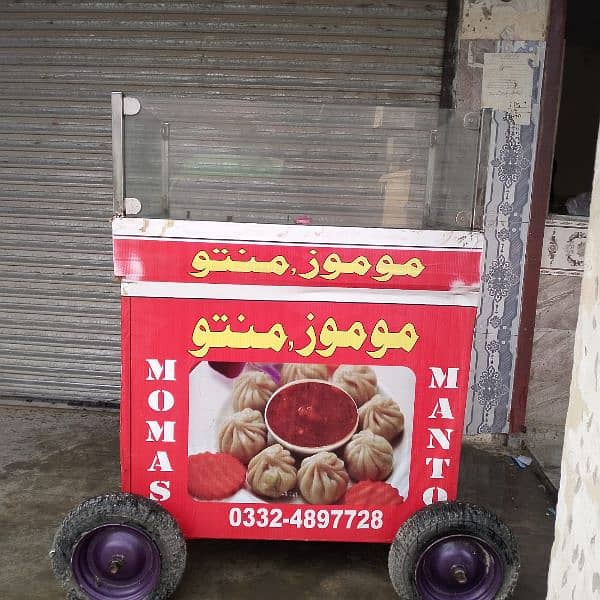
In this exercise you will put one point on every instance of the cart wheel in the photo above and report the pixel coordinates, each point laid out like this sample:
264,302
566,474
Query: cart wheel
118,546
454,551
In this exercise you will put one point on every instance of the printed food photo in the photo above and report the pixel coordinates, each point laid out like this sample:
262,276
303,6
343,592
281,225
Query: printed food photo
300,433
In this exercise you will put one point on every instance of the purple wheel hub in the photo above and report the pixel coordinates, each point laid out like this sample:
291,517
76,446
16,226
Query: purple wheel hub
116,562
459,567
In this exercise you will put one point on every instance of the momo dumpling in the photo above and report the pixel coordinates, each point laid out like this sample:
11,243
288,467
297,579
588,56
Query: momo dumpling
368,456
382,416
243,435
322,478
272,472
294,371
359,381
252,390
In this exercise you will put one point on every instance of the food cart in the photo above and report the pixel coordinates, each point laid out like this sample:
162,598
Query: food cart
299,290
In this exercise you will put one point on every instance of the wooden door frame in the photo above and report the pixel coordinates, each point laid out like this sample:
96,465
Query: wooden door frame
542,180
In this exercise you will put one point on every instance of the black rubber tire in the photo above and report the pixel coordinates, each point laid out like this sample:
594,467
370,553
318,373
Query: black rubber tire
448,518
121,508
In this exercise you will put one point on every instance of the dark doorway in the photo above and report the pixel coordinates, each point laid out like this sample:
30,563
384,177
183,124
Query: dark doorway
579,111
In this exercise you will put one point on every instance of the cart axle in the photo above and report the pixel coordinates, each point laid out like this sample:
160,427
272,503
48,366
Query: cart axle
116,563
459,574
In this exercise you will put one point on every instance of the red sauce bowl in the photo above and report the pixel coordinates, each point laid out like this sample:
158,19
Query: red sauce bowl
310,415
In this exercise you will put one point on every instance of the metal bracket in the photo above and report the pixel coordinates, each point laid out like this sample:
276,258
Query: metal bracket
122,106
165,132
118,153
472,120
132,206
430,178
131,106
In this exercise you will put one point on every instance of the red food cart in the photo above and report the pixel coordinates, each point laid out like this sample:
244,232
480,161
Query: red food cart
295,365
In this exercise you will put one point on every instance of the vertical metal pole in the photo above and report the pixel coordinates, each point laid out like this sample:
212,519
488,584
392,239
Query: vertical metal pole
481,169
164,155
430,181
116,100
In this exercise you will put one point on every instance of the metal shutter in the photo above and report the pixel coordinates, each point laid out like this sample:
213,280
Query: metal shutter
59,61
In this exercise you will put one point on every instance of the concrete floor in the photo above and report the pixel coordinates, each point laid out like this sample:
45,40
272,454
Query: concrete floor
52,459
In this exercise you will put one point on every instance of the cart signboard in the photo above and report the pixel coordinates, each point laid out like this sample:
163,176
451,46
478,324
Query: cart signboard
293,382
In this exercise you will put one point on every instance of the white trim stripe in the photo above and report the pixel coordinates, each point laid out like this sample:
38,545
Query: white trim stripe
194,231
151,289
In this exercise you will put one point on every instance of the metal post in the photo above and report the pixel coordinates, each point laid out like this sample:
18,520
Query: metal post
430,181
481,169
164,154
116,100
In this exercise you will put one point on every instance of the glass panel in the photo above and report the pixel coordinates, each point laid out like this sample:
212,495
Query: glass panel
283,162
451,172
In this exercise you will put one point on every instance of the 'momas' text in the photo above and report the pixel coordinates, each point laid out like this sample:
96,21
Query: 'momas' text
160,432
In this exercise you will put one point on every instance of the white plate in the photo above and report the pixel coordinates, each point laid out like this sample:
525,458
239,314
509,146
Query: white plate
210,404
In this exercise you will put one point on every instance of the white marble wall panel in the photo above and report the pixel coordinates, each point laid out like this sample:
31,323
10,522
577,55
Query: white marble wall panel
551,365
564,245
550,378
558,302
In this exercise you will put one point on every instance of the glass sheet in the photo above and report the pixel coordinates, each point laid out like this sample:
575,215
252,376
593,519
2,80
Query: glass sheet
285,162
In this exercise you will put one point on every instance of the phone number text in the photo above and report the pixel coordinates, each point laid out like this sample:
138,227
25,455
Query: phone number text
306,518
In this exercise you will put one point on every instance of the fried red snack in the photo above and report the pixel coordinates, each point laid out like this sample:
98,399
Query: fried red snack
372,493
213,476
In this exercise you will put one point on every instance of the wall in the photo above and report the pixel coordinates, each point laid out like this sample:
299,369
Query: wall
493,26
552,356
575,562
504,19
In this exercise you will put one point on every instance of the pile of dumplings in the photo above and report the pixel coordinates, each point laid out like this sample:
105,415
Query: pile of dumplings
322,478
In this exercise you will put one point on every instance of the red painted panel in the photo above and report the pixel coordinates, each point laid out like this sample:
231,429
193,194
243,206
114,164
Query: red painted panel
125,408
181,392
298,265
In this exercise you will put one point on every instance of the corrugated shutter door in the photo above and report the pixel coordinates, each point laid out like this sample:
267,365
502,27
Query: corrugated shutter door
59,61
